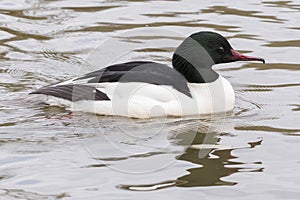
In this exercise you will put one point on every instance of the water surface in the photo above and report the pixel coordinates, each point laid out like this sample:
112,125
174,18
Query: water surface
251,153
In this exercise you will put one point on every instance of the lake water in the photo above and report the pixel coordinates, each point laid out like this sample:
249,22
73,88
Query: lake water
46,153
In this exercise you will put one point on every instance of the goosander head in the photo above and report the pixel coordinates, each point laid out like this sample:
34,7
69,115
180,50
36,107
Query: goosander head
219,48
196,55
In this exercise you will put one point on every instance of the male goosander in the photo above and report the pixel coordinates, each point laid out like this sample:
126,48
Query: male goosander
142,89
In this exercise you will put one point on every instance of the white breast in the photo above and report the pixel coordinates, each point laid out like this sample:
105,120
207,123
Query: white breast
143,100
214,97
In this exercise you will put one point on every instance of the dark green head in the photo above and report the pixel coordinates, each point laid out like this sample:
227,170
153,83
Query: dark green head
215,44
219,48
197,53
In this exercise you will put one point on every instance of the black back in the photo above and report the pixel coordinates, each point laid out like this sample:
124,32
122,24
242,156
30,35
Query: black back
140,71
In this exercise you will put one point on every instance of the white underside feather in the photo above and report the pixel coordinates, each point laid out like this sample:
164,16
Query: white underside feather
143,100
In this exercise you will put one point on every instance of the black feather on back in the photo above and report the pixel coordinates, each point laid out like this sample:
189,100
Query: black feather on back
140,71
73,92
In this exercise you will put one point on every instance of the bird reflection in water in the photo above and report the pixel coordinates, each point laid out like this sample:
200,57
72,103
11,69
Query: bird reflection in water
214,161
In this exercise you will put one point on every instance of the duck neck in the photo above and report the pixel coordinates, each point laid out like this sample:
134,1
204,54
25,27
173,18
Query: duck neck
194,62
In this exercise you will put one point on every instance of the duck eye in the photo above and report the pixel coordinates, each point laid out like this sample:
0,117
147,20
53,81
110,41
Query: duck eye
221,50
